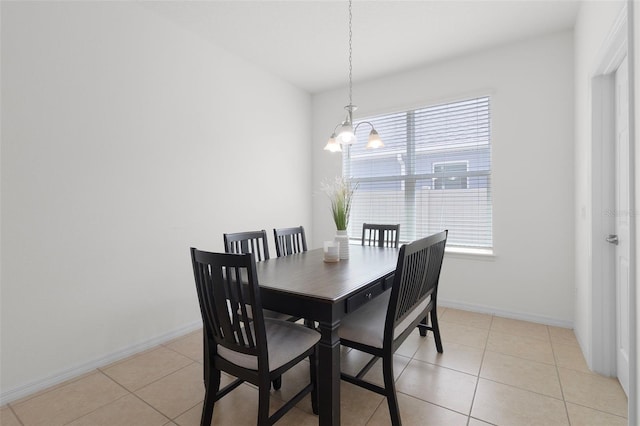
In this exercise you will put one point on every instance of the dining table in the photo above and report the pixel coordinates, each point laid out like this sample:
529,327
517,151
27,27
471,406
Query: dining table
305,286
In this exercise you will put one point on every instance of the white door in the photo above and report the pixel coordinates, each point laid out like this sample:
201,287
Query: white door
622,234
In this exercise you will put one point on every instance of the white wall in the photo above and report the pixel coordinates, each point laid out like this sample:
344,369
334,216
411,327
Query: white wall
594,23
126,140
531,88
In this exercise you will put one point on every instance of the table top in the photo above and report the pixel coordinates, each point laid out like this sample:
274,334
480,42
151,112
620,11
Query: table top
306,274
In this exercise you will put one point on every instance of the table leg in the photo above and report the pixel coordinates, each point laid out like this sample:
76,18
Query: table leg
329,375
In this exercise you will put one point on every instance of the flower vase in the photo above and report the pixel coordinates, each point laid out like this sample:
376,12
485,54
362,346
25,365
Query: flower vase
343,239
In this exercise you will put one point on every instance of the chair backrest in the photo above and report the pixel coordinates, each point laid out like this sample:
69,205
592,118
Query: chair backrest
290,241
380,235
248,242
416,278
227,287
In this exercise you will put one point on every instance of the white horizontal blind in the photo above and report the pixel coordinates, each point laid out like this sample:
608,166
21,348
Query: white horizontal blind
434,173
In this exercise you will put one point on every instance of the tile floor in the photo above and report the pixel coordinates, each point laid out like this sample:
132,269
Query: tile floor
493,371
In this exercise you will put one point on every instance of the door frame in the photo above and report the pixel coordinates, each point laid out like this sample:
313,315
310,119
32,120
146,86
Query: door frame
603,293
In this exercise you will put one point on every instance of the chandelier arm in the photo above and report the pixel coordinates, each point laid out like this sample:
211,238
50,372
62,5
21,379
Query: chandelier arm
363,122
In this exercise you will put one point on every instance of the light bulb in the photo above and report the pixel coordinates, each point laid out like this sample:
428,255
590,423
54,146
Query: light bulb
374,140
332,145
346,135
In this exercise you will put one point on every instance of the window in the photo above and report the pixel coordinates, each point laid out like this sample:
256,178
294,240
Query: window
454,181
434,173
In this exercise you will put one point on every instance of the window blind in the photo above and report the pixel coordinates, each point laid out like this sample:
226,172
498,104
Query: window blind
434,173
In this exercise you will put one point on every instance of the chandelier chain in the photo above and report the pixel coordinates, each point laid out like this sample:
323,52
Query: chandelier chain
350,61
344,132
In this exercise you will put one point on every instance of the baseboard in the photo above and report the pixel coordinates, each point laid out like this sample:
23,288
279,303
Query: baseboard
68,374
506,314
62,376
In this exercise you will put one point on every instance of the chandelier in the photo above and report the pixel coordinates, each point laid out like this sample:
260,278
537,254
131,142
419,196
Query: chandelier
345,133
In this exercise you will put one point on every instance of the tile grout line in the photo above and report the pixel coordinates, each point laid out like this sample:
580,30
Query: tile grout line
180,353
524,390
101,370
96,409
57,387
577,403
580,372
556,351
165,376
555,360
394,380
475,390
373,412
155,380
521,335
154,408
412,358
173,419
15,414
433,403
533,361
130,392
519,356
599,410
45,391
447,368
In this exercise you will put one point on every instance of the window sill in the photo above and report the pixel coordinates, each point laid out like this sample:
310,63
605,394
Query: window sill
458,252
471,253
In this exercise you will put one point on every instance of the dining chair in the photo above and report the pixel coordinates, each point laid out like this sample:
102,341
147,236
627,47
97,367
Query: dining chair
255,242
290,241
240,341
248,242
380,235
380,326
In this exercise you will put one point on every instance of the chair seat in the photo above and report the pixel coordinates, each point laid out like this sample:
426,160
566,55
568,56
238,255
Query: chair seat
285,341
366,325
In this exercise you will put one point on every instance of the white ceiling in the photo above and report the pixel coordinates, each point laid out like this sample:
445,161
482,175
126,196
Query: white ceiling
306,42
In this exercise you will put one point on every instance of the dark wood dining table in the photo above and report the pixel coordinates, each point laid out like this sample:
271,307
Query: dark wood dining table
304,285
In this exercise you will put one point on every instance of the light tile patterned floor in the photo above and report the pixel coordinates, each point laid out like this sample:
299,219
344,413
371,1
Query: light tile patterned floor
494,371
